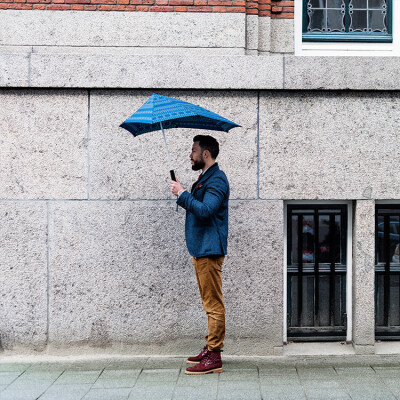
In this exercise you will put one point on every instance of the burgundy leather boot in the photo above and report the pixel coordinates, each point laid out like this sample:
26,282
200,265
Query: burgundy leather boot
211,363
199,357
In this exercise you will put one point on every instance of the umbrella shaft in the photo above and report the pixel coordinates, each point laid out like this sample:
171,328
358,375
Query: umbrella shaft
166,147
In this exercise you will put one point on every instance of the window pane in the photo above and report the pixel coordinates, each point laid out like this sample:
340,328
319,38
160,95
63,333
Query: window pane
308,301
324,240
358,21
358,3
308,239
380,290
377,21
323,312
317,21
316,3
394,240
335,3
335,21
294,249
339,257
380,256
394,319
294,287
338,301
376,4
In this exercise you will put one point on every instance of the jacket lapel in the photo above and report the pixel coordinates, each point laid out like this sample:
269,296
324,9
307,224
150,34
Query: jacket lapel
208,173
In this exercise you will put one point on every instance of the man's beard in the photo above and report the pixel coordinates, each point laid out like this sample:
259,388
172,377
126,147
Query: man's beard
197,165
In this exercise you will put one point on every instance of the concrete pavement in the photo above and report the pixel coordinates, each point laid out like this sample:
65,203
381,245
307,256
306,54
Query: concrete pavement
162,378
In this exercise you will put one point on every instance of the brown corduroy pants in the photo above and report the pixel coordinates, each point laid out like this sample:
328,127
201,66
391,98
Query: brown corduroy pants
209,279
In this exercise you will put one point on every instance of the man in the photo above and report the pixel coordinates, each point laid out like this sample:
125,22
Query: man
206,231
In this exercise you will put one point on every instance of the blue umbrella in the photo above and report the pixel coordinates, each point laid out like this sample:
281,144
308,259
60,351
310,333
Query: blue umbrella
162,112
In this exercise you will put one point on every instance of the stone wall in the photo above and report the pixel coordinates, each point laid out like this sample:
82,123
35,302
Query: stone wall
93,254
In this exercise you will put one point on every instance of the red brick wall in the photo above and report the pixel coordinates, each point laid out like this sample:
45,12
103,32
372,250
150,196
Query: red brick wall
263,8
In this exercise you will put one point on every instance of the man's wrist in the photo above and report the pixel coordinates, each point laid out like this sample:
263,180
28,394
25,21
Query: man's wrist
181,191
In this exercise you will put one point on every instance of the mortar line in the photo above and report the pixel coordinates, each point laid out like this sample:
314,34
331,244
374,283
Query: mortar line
258,145
283,71
48,275
88,148
29,68
126,200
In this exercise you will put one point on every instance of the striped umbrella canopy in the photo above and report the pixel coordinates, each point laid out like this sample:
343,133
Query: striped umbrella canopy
162,112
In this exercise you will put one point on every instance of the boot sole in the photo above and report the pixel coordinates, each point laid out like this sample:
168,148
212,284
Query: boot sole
215,371
192,362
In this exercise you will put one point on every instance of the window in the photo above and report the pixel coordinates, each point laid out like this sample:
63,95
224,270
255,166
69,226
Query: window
316,272
347,20
387,272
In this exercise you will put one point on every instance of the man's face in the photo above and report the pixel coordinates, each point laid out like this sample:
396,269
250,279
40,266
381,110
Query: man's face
196,157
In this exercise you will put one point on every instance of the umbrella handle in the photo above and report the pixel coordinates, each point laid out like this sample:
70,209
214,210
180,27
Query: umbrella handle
172,172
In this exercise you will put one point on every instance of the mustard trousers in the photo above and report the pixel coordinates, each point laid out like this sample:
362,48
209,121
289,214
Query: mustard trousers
209,279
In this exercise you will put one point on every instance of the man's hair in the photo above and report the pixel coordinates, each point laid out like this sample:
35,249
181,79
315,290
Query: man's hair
208,143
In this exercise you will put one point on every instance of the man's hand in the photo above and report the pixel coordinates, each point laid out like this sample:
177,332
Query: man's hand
176,187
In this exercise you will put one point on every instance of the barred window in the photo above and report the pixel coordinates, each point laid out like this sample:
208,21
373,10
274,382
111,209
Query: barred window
387,272
347,20
316,272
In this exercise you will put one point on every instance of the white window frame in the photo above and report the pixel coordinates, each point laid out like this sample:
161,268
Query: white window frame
349,260
346,48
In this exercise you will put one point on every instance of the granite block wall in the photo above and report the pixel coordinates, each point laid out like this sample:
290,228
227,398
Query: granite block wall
92,252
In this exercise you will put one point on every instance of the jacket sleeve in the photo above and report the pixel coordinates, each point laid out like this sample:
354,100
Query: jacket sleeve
212,199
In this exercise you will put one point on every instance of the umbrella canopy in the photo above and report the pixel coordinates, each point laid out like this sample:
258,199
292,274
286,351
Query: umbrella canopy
173,113
162,112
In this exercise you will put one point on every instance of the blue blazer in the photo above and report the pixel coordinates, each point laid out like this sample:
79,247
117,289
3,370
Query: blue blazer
206,227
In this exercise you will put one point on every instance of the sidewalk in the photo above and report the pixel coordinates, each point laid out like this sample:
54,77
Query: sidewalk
163,378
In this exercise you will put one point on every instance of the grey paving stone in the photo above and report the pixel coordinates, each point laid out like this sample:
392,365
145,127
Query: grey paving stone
164,363
8,377
349,381
233,364
356,371
388,372
279,380
2,387
193,393
390,381
151,392
236,385
290,371
6,367
37,376
316,373
75,377
107,394
327,394
208,380
47,367
159,375
250,394
120,373
282,393
322,383
20,394
32,385
239,375
395,391
363,392
127,364
114,383
66,392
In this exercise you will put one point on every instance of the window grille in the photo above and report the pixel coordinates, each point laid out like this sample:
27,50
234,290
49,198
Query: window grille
347,20
317,272
387,272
